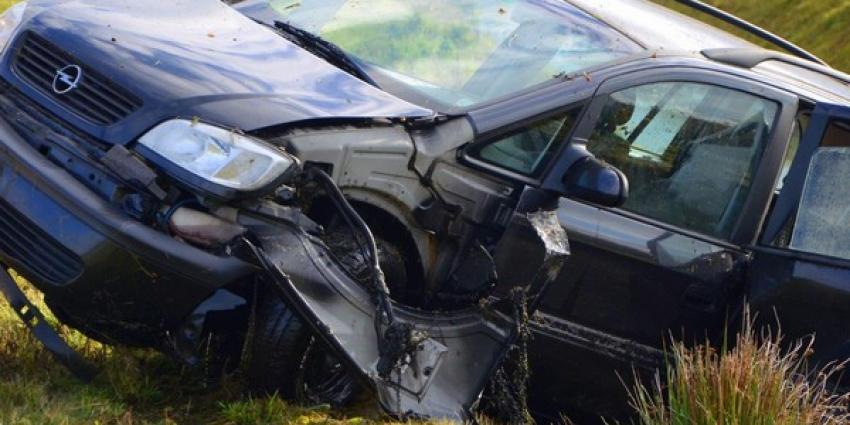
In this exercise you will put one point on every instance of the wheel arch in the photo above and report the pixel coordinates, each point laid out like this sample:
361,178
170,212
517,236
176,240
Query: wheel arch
392,221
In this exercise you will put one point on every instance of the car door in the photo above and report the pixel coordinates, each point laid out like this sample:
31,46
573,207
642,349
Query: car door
801,269
700,151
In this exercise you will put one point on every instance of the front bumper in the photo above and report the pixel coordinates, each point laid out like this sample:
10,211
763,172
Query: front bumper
101,270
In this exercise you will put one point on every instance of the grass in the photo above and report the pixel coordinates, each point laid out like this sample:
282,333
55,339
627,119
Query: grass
757,382
134,387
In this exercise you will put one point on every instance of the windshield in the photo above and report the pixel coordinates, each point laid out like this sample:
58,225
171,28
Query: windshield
452,54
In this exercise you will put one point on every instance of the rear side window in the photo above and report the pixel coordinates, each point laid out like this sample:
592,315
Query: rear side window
823,220
822,225
689,150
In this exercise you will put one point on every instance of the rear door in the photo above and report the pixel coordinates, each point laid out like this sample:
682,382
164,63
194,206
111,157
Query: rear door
701,152
801,267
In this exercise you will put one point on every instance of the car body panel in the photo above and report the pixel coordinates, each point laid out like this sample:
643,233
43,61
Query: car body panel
808,292
638,280
216,65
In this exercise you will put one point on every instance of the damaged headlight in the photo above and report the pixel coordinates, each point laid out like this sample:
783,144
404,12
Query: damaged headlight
10,20
215,160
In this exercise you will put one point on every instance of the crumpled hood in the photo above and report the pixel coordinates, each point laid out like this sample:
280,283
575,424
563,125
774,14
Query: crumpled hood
197,58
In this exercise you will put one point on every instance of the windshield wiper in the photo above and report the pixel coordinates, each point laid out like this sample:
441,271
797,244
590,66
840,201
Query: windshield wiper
324,49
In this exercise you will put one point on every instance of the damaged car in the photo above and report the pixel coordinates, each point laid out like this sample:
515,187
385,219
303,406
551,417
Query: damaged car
425,199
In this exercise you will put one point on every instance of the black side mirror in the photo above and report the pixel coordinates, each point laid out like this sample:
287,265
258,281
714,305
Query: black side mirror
596,181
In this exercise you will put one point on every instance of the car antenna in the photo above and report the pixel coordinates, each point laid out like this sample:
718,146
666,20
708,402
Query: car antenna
752,29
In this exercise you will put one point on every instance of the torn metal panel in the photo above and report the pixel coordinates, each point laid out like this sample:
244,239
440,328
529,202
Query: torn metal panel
343,311
459,350
223,309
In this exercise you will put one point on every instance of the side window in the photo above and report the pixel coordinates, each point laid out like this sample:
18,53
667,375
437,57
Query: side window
529,148
689,150
822,225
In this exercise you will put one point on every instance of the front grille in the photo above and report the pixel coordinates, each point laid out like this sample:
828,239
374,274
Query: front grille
35,250
96,98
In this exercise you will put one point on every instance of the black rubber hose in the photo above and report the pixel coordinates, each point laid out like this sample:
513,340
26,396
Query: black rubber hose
354,219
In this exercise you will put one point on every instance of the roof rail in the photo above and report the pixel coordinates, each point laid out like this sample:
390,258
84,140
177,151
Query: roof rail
749,58
752,29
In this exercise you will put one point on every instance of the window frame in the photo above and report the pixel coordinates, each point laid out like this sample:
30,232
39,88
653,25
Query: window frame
790,197
535,177
767,171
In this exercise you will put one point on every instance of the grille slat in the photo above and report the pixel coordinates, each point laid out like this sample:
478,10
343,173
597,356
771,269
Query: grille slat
35,250
29,252
96,99
90,111
113,101
37,64
129,104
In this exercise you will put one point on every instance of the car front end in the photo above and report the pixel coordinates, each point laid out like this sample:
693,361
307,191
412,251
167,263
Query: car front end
143,192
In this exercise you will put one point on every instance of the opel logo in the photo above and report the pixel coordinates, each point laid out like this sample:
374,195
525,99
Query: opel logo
67,79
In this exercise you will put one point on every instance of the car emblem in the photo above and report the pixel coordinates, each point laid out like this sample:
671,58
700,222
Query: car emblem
67,79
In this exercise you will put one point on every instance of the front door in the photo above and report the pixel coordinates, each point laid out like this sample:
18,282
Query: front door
668,262
801,268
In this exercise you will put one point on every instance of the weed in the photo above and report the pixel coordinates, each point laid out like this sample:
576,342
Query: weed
756,382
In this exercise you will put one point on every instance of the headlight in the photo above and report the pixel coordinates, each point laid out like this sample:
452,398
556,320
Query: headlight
216,160
10,20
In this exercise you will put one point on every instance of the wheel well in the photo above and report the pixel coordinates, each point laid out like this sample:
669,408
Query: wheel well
384,225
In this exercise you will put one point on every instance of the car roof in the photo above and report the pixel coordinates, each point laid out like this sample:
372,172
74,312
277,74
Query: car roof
659,28
812,85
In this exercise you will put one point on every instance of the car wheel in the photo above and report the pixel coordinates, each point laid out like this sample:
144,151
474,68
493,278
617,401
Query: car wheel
322,378
286,358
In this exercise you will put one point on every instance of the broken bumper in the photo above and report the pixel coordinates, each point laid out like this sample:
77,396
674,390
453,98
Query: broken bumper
85,254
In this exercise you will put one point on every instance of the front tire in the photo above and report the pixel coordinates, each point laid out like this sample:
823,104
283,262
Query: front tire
287,359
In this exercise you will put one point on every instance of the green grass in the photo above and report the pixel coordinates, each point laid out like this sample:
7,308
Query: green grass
134,387
819,26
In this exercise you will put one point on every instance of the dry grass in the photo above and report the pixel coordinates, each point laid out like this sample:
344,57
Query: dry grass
757,382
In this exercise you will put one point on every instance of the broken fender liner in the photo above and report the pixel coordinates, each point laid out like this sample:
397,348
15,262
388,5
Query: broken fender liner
461,350
34,320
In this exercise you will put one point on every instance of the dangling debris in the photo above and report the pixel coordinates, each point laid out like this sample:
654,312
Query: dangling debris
509,385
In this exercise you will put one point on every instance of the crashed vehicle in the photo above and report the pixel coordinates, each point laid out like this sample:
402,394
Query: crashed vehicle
348,194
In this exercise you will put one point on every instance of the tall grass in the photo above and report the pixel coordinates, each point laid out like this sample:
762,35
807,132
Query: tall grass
757,382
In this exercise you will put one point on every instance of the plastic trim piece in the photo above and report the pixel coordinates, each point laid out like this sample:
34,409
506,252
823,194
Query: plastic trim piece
750,58
752,29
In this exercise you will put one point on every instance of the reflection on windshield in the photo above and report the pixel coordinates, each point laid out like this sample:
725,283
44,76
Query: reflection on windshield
456,53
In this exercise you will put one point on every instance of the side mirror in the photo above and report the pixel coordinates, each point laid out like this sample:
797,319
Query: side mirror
596,181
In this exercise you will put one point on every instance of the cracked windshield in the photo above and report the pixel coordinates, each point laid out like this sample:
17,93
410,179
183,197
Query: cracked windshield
454,54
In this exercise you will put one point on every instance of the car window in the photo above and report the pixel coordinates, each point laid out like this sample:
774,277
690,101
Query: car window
823,219
527,150
458,53
689,150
